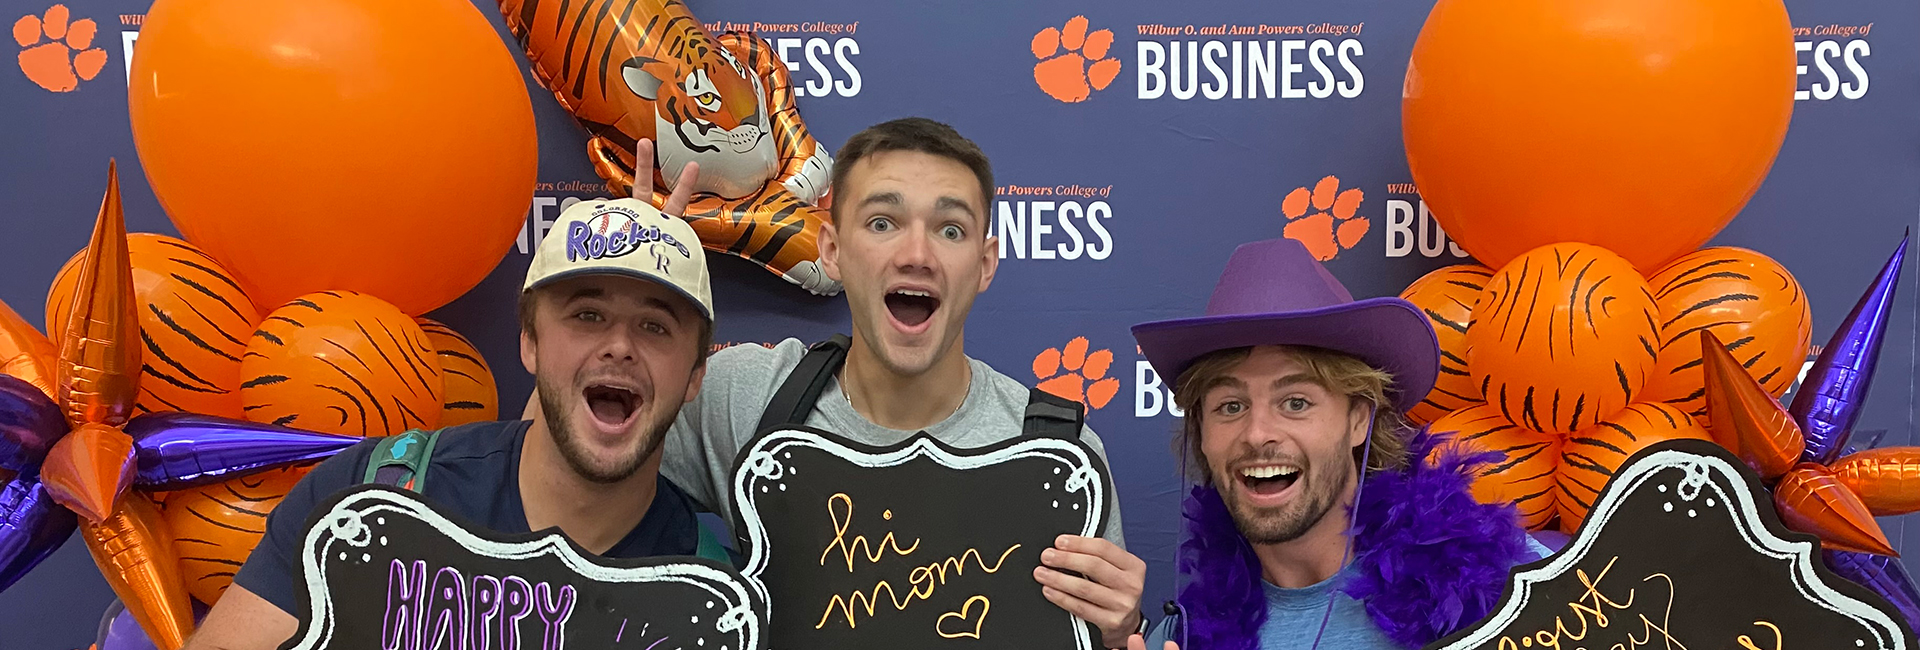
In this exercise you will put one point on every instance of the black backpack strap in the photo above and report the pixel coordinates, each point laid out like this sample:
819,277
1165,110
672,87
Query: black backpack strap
1052,416
795,398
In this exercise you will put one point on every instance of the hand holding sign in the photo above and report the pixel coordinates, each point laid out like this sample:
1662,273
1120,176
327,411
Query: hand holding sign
1106,591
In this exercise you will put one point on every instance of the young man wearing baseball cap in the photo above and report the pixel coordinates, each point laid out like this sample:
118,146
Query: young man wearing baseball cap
1319,519
616,318
909,240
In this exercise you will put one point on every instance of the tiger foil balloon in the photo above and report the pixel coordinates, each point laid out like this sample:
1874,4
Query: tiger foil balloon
646,69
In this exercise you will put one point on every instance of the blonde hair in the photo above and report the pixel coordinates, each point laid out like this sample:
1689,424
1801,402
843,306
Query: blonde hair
1338,372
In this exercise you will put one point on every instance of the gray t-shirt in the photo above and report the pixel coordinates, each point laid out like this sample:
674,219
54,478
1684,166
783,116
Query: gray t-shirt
711,429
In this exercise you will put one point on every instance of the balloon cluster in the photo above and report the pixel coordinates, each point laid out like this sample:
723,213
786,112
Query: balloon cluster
1570,362
173,414
1587,170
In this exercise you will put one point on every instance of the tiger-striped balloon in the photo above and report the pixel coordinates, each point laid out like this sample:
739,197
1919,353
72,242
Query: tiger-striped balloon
1592,455
215,527
1446,296
194,320
1563,336
471,395
342,362
1523,477
1747,300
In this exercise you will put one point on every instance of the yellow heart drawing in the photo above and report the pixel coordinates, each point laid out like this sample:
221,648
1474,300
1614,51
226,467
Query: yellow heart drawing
940,625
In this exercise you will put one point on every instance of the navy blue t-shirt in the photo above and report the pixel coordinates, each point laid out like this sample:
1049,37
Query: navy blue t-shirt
474,472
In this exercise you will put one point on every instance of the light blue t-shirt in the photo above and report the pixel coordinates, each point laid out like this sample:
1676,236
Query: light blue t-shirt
1294,617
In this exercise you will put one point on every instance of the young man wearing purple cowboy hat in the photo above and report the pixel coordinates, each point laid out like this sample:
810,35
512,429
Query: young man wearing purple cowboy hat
1317,520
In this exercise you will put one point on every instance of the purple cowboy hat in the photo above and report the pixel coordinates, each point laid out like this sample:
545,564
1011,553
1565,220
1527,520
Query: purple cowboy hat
1274,293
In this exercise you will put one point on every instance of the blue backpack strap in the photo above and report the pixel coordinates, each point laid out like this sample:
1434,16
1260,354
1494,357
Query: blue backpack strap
711,548
401,461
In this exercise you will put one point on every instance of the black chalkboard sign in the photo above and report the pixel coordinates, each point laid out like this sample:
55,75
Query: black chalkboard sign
1684,550
918,545
382,569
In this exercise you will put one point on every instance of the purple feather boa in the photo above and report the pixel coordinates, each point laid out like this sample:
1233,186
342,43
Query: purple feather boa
1429,559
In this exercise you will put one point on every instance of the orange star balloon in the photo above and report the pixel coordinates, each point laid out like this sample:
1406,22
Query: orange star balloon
1812,500
97,374
1836,504
1743,417
1887,480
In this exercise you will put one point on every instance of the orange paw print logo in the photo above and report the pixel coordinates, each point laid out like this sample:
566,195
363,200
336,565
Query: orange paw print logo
58,55
1332,226
1072,76
1074,374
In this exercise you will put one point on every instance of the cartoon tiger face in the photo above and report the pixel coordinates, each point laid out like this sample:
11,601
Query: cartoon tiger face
647,69
710,112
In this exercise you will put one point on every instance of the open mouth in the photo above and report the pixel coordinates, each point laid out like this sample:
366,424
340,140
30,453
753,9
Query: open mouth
611,405
1268,480
911,307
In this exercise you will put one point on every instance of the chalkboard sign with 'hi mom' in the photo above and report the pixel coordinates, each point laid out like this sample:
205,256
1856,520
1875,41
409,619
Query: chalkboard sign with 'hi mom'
917,545
1684,550
382,569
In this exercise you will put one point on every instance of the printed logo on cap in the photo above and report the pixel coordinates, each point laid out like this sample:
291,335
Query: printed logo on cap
614,231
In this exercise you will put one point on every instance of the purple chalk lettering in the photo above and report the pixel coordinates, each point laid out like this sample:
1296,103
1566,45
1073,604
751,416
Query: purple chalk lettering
406,594
516,603
486,610
555,612
446,618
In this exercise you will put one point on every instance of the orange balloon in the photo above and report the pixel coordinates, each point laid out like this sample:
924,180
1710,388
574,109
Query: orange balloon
1562,337
1887,479
367,145
98,371
194,317
1446,296
1747,300
131,549
1592,455
1524,477
1641,126
1746,420
25,353
471,395
341,362
1812,500
216,527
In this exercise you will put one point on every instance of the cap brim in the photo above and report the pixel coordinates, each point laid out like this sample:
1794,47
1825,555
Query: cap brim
1387,333
624,272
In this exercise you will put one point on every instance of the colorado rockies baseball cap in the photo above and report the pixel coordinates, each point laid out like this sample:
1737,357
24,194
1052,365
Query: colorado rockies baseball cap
624,237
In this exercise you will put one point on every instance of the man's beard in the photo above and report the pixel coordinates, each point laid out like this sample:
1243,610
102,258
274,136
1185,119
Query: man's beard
1288,522
576,455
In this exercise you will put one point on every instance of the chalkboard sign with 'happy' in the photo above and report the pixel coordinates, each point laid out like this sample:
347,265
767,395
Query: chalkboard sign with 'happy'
917,545
382,569
1684,550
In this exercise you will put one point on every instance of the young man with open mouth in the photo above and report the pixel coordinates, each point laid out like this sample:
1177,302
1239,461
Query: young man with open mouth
1319,519
909,240
616,318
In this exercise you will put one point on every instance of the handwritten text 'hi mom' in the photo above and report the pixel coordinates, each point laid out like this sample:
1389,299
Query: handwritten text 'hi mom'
923,579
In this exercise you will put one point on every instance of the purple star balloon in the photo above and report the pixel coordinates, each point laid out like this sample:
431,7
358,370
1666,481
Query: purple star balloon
175,451
172,451
1884,575
1828,403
